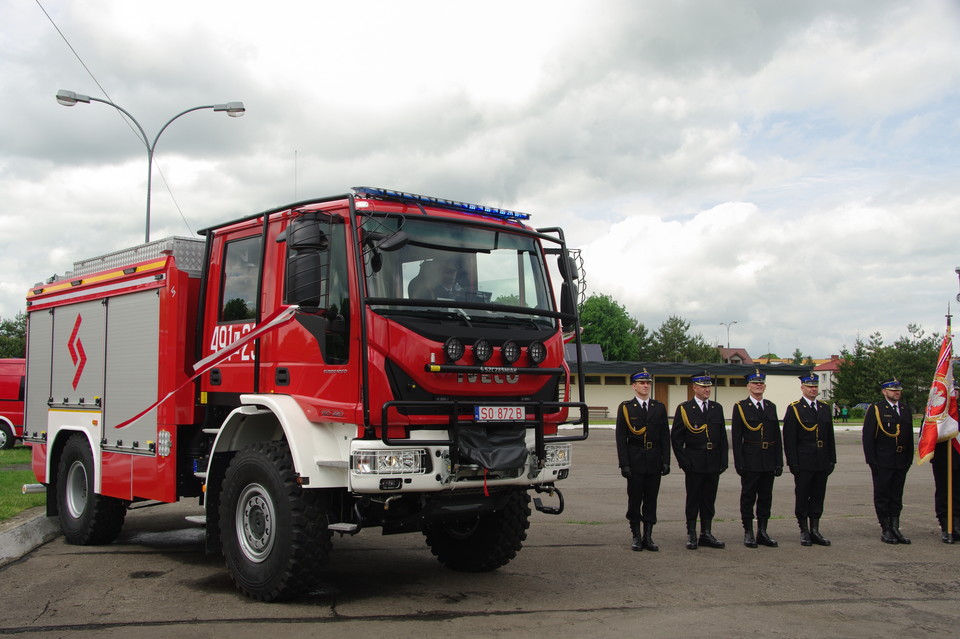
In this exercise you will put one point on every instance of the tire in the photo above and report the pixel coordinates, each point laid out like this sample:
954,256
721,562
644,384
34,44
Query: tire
86,518
7,438
273,532
484,542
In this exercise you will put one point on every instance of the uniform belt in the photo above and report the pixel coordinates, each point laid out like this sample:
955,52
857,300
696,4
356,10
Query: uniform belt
811,445
701,446
763,445
643,444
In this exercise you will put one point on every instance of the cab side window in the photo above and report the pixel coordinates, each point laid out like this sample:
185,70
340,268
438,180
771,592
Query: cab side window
241,270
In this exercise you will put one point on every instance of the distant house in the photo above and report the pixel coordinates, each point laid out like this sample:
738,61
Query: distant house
735,356
827,370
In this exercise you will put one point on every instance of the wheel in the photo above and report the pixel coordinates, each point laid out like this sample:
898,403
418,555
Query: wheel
273,532
7,437
484,542
86,518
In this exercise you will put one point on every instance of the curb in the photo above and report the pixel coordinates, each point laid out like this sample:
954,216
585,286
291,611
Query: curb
25,532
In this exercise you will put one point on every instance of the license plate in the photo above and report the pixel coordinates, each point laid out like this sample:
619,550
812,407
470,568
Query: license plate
499,413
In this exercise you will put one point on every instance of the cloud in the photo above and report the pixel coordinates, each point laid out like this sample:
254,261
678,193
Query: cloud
790,166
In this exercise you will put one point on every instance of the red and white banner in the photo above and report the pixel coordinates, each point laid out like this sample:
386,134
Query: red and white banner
941,418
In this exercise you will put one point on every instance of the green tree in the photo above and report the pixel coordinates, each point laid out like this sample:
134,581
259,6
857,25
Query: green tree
673,343
607,323
911,359
13,336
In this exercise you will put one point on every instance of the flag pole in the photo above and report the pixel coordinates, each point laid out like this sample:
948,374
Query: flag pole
949,445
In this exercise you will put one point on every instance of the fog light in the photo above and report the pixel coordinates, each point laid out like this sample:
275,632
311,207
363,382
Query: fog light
392,483
537,352
510,351
482,350
453,348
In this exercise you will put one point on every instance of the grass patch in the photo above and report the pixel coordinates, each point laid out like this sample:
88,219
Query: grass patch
12,500
14,456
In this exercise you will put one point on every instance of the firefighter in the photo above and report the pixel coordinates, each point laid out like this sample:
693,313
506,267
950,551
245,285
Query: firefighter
643,453
811,452
888,449
699,436
757,457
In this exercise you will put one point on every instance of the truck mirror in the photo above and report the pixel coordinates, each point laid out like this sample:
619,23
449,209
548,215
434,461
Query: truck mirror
568,268
306,261
567,305
304,233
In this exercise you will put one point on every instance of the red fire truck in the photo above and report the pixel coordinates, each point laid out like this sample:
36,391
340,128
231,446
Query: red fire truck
11,400
372,359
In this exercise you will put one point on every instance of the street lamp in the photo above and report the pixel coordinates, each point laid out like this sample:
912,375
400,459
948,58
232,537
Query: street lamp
69,98
728,325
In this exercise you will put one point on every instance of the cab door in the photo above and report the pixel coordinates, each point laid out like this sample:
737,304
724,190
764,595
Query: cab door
231,310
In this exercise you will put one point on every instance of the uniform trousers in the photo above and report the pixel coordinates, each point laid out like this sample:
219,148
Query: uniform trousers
701,495
939,465
642,491
810,488
888,490
756,488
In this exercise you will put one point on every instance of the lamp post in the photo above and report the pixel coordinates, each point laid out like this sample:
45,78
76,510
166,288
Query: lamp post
728,325
69,98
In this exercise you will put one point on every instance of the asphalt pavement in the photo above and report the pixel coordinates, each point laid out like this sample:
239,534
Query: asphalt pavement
575,576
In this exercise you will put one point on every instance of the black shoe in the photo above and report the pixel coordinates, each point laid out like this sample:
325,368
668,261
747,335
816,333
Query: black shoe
766,540
707,539
946,537
895,529
887,536
748,539
636,545
815,535
805,538
692,540
648,543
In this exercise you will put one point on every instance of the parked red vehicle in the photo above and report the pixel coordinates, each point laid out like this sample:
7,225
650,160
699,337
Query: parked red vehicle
11,400
372,359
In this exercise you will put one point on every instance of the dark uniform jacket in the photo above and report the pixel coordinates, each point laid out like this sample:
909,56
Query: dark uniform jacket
887,436
755,437
700,441
643,442
808,437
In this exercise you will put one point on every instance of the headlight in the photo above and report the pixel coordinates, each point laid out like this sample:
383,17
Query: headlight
388,462
558,454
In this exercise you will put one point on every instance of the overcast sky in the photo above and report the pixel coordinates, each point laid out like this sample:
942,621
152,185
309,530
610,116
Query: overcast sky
793,167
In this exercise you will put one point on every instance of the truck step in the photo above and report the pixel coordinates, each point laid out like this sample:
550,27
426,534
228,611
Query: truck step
200,520
344,527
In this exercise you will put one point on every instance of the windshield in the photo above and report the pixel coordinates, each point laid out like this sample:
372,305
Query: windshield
456,263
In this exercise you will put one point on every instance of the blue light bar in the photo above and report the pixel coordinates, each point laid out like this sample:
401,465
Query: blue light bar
389,194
